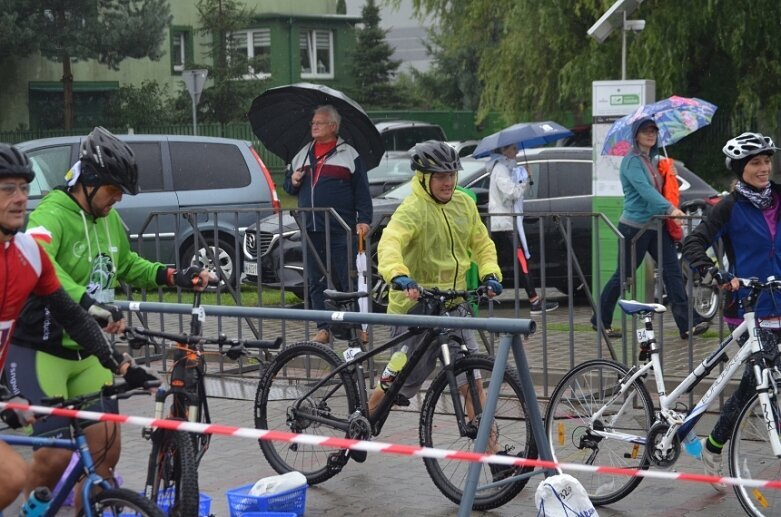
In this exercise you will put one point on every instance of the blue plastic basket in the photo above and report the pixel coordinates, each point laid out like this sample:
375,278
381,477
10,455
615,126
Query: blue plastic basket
241,503
269,514
166,498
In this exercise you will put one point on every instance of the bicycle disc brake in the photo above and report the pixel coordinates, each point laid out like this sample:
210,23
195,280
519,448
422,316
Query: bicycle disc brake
297,419
652,442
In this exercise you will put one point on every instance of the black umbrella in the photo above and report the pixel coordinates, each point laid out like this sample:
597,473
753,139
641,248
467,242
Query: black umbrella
280,118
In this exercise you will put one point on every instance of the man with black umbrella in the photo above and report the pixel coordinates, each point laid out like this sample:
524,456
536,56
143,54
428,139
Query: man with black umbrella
329,173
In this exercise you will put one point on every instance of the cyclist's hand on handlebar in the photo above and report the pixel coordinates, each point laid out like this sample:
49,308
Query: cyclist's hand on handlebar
192,277
724,279
408,285
108,316
492,286
15,418
138,376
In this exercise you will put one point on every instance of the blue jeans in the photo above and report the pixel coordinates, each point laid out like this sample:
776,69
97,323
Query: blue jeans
671,275
318,282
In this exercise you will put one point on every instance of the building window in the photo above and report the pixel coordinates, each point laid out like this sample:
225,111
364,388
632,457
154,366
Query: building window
178,50
317,55
181,48
255,46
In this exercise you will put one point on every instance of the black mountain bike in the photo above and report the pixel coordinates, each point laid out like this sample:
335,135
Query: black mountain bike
309,389
173,462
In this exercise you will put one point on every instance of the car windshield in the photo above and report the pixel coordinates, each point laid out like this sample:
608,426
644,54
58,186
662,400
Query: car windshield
390,167
404,190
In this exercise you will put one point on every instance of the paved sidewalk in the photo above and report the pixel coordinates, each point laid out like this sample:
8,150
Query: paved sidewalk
400,485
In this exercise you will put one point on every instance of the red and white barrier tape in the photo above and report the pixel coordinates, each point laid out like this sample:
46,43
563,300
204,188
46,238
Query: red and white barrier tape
385,448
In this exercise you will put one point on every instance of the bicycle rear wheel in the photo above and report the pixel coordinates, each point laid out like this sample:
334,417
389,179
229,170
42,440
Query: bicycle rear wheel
751,457
569,423
172,475
282,403
511,434
120,501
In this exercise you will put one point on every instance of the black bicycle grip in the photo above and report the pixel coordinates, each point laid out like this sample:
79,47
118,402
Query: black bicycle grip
264,344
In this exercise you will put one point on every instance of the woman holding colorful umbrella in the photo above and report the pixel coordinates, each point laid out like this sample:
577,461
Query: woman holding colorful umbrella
643,199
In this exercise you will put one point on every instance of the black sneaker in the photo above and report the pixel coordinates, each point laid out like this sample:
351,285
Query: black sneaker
499,471
537,307
698,329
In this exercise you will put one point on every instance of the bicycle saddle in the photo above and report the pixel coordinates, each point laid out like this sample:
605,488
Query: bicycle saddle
635,307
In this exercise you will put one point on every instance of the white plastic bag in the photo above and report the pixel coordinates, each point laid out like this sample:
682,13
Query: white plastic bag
278,484
563,496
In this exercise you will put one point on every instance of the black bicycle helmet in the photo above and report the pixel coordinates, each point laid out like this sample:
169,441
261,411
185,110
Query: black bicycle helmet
433,156
742,148
106,160
14,163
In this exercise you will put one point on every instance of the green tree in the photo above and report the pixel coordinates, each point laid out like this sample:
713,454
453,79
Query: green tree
233,85
371,65
141,106
66,31
534,58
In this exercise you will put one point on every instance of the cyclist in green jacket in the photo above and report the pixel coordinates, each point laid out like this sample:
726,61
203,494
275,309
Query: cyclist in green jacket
88,245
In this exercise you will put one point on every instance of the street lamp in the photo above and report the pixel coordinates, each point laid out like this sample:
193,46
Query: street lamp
615,18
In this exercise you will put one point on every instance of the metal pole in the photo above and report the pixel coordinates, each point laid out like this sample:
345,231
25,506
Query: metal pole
195,126
623,49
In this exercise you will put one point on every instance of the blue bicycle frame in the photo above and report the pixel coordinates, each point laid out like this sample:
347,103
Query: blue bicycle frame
78,444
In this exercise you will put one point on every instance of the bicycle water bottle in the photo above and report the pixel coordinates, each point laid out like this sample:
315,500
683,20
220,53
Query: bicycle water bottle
394,366
692,445
37,504
396,363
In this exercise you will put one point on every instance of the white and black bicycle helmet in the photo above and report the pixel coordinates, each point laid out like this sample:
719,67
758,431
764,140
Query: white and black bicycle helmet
14,164
742,148
434,156
106,160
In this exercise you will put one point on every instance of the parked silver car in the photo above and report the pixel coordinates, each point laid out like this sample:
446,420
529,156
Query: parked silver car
216,178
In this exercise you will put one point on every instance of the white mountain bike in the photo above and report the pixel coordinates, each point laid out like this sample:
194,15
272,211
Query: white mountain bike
602,414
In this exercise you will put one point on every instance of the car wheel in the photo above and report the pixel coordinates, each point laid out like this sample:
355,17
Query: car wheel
224,257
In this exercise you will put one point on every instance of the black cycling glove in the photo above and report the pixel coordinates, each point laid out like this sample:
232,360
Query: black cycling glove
103,313
184,277
137,376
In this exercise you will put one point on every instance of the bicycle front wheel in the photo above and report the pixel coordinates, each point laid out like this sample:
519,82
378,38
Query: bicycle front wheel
751,457
172,475
121,501
587,403
511,432
283,402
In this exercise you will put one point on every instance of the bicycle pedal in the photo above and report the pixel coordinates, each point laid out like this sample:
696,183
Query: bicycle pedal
146,433
357,456
337,461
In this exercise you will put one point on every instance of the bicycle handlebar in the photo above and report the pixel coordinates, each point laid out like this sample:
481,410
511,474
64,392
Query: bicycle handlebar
139,336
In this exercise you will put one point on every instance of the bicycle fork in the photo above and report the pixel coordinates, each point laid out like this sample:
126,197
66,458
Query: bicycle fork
466,429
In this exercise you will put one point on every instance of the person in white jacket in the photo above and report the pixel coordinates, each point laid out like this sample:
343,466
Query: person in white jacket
509,182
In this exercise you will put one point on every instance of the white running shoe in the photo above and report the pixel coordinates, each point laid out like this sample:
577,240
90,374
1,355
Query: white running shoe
713,467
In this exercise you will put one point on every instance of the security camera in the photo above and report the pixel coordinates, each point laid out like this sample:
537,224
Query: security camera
634,25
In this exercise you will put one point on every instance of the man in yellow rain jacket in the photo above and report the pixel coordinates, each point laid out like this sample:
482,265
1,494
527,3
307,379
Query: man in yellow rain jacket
431,241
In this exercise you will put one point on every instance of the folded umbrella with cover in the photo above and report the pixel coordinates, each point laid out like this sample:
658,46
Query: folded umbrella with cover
280,118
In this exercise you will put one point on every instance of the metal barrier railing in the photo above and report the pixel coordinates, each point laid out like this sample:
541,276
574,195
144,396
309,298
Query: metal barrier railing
565,337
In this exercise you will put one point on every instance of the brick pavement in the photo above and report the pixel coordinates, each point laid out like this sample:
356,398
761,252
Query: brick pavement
387,483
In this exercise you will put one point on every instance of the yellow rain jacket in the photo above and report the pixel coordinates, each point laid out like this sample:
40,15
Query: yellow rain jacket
430,242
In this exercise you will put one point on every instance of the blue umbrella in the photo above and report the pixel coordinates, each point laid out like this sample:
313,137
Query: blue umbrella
676,117
525,135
